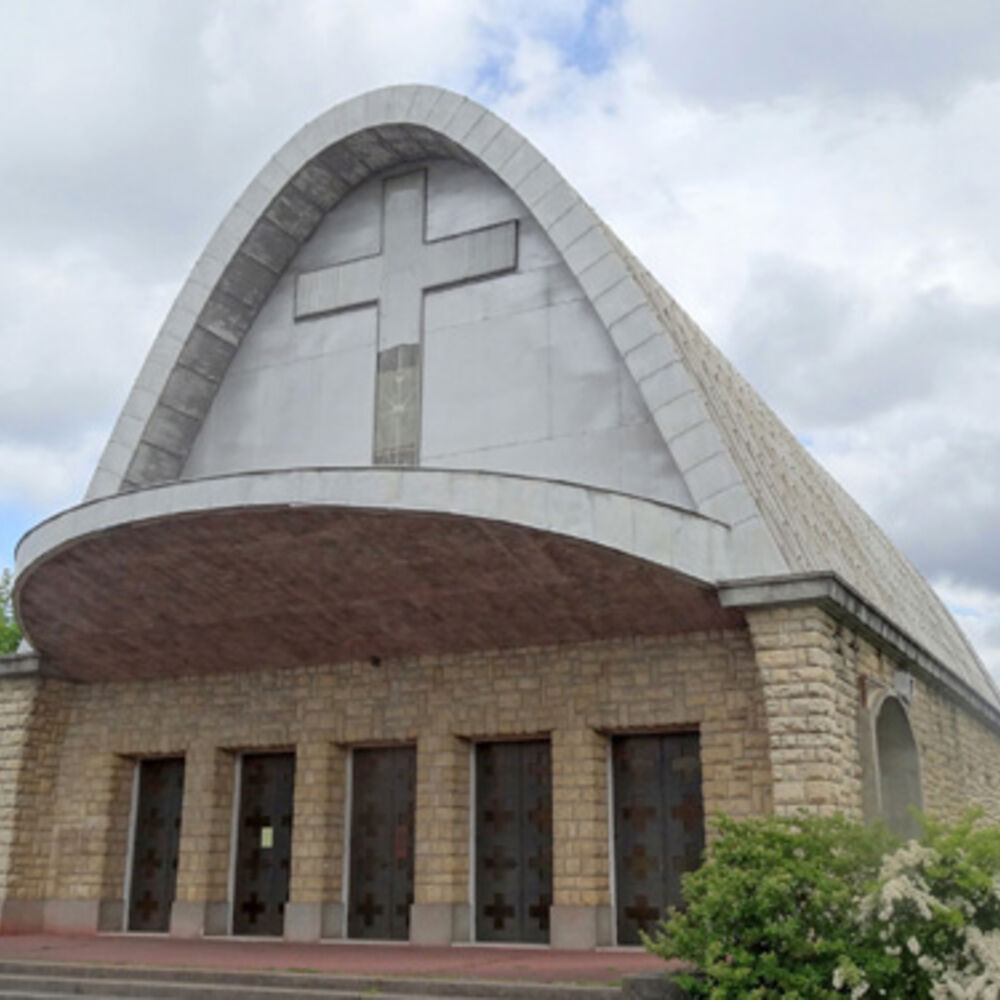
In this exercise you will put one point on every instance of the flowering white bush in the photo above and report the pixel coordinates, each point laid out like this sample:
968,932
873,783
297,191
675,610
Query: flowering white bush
979,978
903,884
935,913
823,909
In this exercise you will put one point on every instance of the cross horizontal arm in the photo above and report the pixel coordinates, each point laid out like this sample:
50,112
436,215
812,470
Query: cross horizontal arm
482,253
343,286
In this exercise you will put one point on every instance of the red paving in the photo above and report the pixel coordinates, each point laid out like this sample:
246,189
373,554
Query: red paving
335,958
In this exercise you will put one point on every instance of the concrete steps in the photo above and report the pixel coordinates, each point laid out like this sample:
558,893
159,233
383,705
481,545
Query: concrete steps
58,980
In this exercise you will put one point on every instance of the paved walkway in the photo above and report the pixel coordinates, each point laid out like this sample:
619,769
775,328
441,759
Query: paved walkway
335,958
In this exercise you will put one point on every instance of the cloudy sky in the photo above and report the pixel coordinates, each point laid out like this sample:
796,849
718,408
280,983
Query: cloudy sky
817,183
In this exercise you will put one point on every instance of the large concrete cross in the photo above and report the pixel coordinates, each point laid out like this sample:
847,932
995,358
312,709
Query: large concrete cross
396,279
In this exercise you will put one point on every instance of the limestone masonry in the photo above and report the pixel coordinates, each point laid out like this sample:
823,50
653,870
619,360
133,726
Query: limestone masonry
441,581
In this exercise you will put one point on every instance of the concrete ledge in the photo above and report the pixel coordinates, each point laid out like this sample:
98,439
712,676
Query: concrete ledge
438,923
111,915
187,920
22,916
303,921
577,928
217,918
72,916
332,920
617,561
687,542
24,665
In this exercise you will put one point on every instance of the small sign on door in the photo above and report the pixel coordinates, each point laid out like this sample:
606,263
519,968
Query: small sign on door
266,837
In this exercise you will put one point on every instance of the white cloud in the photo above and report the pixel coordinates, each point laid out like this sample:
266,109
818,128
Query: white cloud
827,217
739,51
977,610
73,336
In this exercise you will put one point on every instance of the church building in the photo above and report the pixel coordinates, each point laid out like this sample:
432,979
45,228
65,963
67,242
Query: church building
440,581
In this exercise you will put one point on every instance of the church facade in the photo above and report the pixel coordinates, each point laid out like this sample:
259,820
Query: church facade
440,581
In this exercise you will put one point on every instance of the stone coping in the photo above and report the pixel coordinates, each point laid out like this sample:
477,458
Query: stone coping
831,593
22,665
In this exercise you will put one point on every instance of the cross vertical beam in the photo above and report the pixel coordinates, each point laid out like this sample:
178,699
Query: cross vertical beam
396,279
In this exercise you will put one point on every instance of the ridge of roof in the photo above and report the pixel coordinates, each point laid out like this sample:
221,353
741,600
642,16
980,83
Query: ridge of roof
815,523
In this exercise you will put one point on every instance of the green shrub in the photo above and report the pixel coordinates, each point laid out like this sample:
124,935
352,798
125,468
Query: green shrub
771,914
10,634
814,908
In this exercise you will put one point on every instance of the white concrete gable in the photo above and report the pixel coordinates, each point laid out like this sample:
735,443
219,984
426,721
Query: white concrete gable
518,372
292,396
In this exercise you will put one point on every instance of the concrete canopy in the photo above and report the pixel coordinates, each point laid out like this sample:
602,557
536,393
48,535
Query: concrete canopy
298,568
775,512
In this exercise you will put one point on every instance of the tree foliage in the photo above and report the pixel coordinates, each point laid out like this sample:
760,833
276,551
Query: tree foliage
769,915
10,633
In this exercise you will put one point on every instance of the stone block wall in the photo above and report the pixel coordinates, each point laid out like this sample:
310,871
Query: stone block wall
819,679
810,695
580,816
16,707
441,832
575,695
782,708
33,717
959,752
203,864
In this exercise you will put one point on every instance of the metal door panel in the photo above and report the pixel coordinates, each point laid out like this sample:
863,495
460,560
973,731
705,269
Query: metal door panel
659,825
513,841
155,844
382,815
264,843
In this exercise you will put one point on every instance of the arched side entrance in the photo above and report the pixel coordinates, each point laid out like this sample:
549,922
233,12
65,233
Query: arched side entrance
898,768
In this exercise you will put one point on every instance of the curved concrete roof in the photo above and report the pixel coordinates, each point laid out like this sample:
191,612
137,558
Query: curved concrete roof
281,209
785,515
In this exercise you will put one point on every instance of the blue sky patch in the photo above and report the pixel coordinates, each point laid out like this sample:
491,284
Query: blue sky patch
591,47
587,43
15,520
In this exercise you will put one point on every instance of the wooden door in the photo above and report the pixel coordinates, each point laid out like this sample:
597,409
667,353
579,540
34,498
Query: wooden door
659,825
264,843
513,841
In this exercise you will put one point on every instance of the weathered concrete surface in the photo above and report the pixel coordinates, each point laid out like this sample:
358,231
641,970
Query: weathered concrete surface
513,373
301,185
